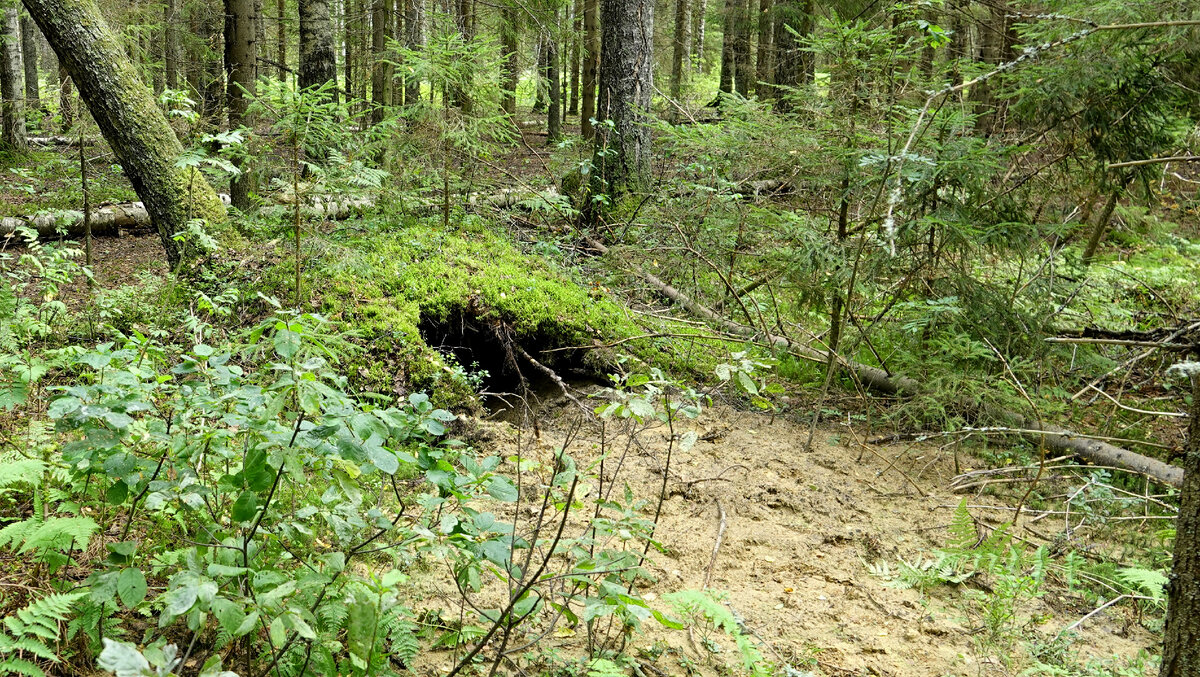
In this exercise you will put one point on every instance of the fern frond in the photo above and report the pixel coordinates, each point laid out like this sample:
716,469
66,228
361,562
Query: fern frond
61,533
26,645
18,532
26,471
963,535
20,666
1152,583
42,616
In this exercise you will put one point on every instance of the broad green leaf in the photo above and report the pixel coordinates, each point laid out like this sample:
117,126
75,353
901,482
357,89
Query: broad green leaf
131,587
245,507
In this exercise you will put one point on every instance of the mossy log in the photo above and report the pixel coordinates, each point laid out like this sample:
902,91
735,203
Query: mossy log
1056,439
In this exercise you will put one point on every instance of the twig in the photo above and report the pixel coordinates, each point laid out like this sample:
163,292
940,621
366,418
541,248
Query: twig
712,561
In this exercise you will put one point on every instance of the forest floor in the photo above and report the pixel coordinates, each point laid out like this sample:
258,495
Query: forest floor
802,530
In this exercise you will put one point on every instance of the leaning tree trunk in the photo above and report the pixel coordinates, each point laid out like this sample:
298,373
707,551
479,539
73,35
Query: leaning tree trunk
622,158
1181,643
318,58
29,55
591,61
241,72
12,83
128,117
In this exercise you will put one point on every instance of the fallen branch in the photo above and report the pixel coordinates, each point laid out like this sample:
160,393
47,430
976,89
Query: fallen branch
1058,440
712,560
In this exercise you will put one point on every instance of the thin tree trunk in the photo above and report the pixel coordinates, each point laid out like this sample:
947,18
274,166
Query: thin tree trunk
66,99
539,100
1101,226
29,53
576,31
554,85
318,59
764,63
679,53
1181,641
510,71
622,158
128,117
281,50
699,19
241,72
12,83
591,62
352,16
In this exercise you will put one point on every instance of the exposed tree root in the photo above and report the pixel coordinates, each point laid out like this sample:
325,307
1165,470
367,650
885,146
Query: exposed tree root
1058,440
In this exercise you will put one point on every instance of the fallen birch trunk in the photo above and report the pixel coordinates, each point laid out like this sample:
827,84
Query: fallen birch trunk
1057,440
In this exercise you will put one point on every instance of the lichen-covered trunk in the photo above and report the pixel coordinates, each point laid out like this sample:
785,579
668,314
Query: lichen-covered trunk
29,55
622,159
241,73
12,82
679,51
591,62
131,122
318,59
1181,643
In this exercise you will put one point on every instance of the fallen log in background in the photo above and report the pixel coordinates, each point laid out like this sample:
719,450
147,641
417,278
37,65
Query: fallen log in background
1058,440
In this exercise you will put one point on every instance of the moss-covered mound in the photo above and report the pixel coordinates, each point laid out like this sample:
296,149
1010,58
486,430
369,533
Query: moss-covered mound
403,289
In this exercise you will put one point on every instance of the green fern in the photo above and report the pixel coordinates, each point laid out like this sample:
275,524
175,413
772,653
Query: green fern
55,534
602,667
31,630
1151,583
25,472
703,604
963,535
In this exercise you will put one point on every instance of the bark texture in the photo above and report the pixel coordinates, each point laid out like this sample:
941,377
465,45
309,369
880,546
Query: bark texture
241,73
679,44
793,66
381,20
741,50
699,20
554,84
765,59
1181,644
510,70
128,117
12,82
622,161
728,50
318,58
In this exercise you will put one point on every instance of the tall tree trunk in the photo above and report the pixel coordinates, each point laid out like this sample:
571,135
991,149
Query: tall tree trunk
764,61
381,19
576,30
1101,226
591,62
12,83
352,16
741,49
622,158
679,53
128,117
318,58
281,41
728,50
793,66
1181,641
29,54
554,85
413,21
510,71
699,19
241,74
212,90
171,19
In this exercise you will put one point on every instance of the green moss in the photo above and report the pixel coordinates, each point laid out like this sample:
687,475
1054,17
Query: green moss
384,284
